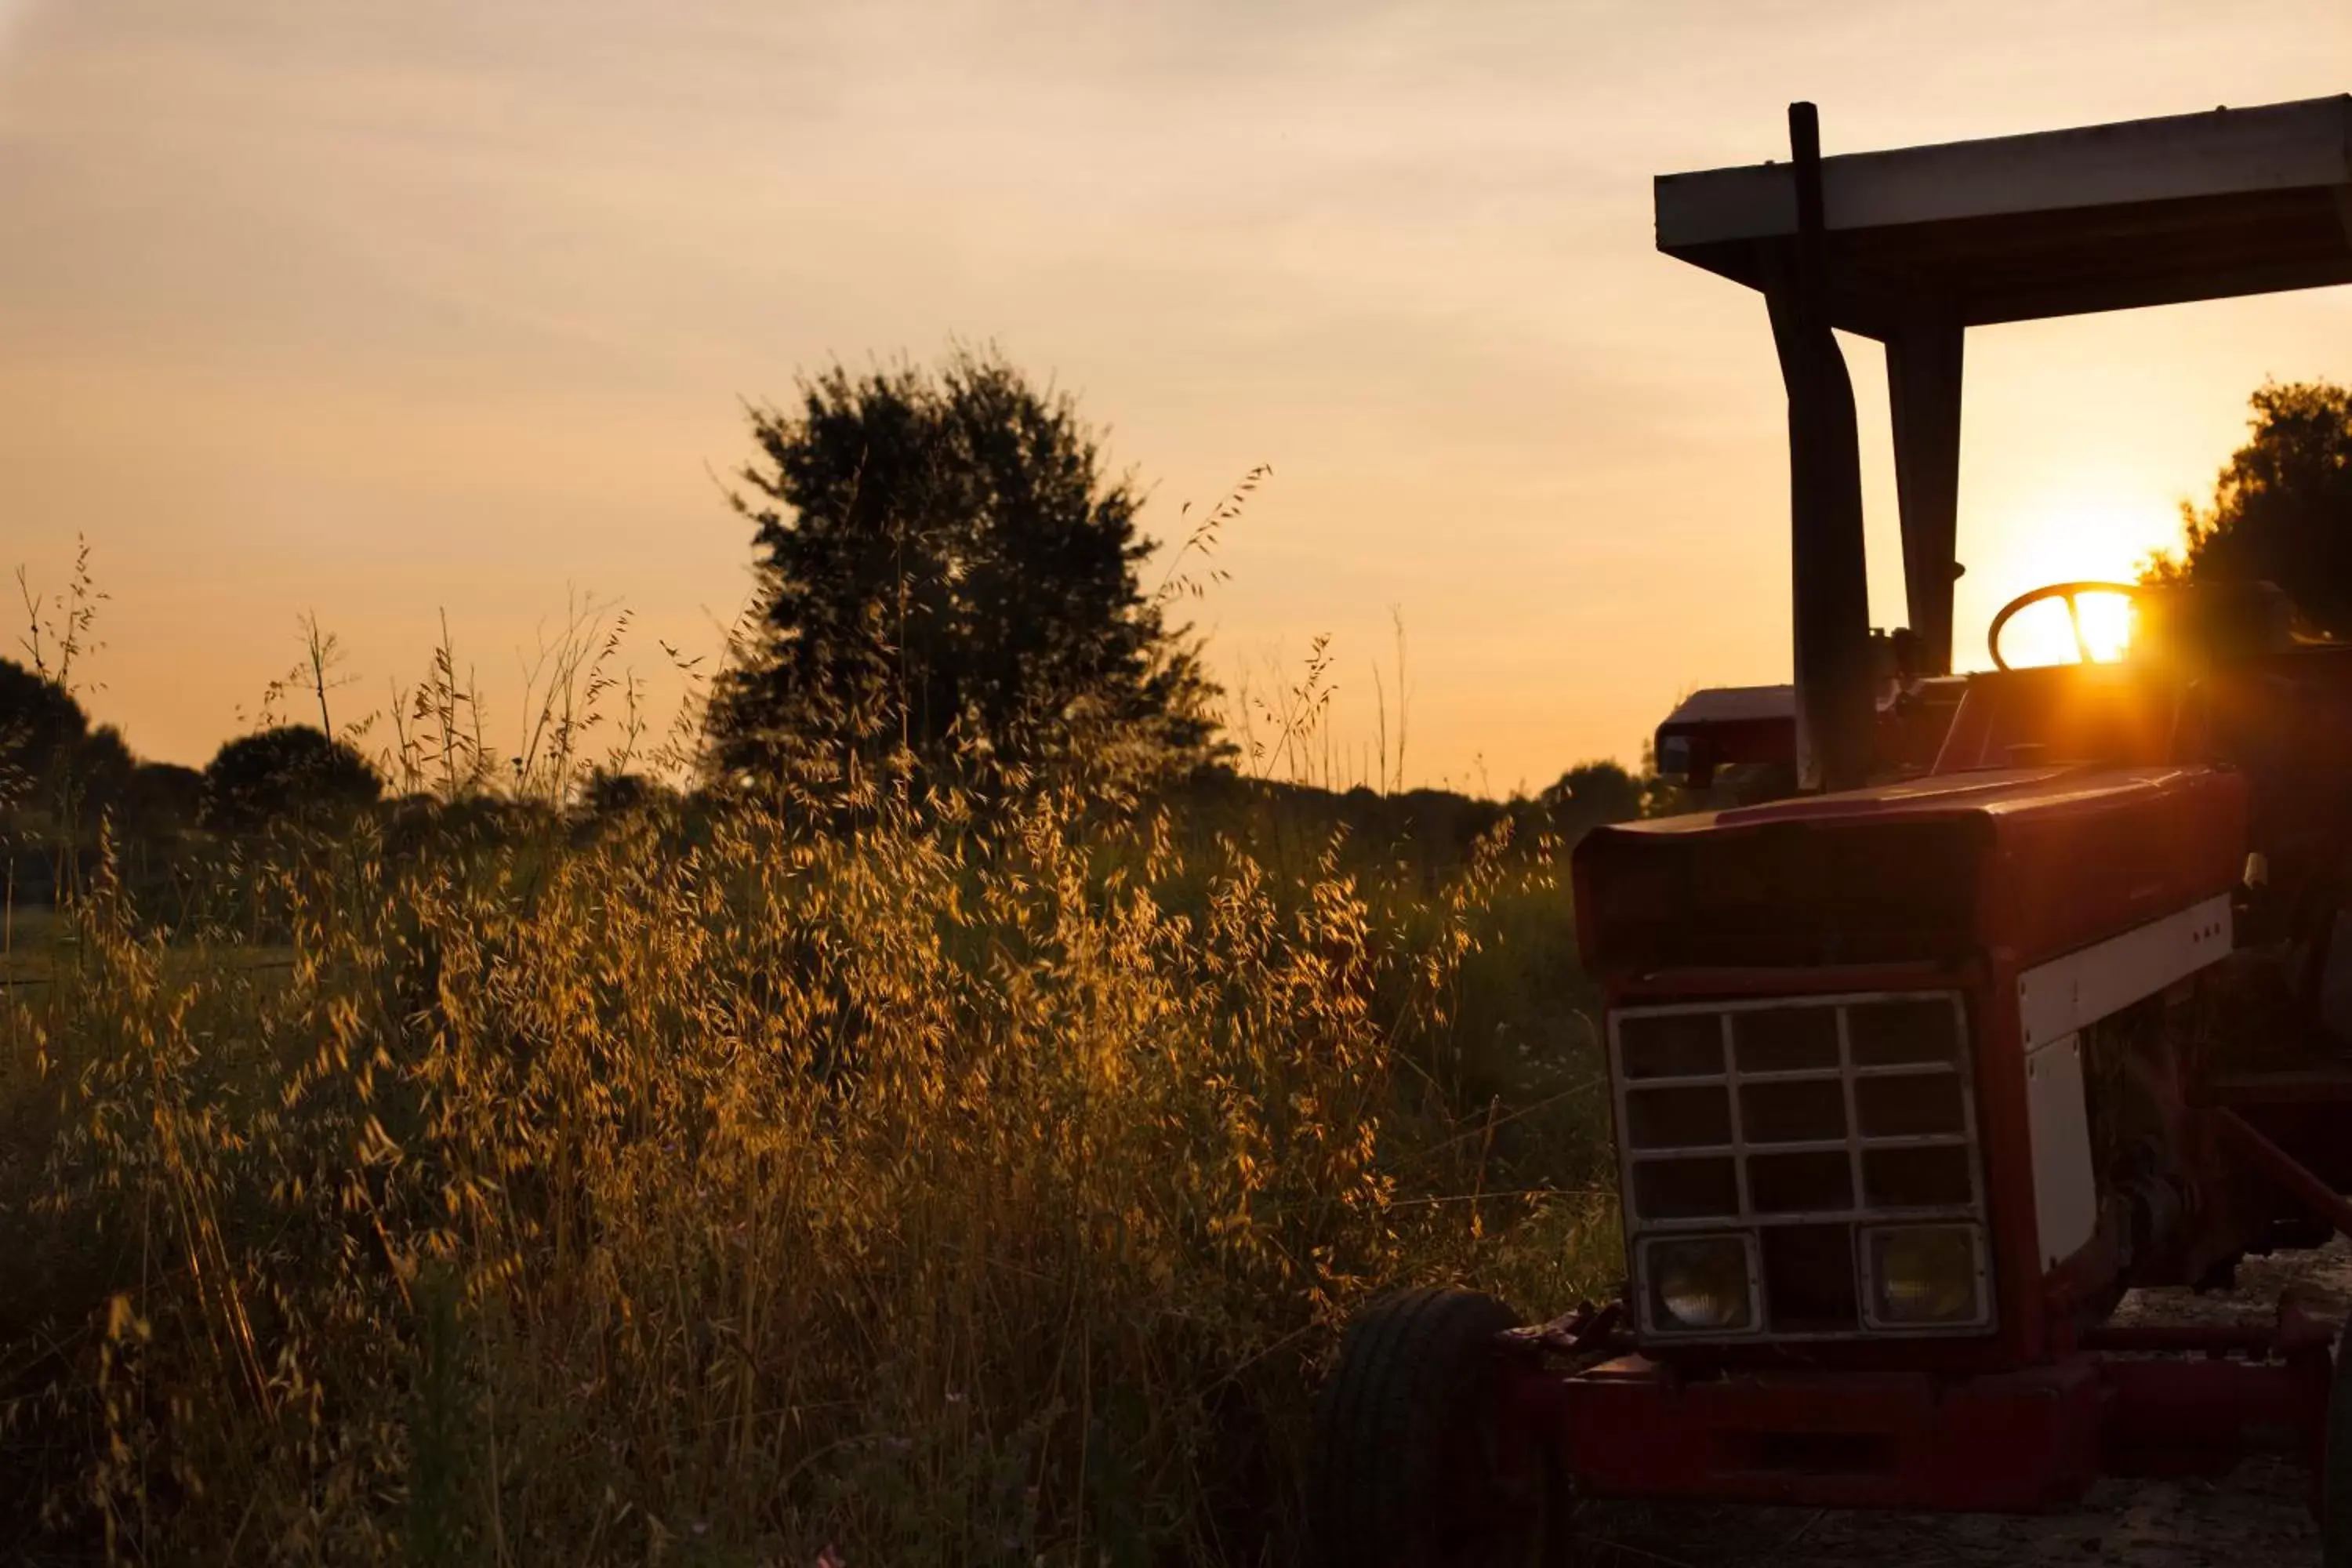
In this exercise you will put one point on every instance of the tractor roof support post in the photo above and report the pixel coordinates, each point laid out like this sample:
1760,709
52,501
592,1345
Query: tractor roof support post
1922,385
1829,581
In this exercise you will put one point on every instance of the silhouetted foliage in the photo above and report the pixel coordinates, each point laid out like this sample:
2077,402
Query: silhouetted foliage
1592,794
50,759
102,767
947,575
2282,510
607,791
162,798
40,725
291,771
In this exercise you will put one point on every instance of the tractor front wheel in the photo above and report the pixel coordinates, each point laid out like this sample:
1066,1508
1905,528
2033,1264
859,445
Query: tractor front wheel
1417,1464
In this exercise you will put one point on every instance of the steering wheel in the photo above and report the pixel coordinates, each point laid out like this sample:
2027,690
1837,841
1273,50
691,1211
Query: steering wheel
2066,591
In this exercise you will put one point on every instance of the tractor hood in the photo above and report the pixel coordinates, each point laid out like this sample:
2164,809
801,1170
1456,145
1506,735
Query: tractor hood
2037,859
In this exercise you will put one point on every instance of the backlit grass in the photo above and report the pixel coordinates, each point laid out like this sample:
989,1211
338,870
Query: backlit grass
919,1189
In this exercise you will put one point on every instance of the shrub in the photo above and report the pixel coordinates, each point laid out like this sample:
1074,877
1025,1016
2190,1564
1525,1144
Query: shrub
290,771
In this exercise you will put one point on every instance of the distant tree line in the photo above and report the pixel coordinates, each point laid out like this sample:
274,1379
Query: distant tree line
59,770
949,590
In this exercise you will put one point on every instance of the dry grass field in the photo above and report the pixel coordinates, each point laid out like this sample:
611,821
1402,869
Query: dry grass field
862,1182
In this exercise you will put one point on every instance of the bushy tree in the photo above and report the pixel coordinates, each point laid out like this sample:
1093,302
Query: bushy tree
946,574
1592,794
2282,508
40,722
102,767
609,792
50,758
293,770
161,798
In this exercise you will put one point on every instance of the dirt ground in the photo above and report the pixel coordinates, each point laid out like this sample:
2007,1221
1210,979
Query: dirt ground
2256,1517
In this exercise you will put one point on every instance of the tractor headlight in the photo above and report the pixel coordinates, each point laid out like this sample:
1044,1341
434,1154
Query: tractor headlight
1924,1275
1699,1284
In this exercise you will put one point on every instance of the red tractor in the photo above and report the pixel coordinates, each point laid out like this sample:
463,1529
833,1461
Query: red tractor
2033,986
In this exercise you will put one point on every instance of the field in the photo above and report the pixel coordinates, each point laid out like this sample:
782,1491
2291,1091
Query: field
856,1181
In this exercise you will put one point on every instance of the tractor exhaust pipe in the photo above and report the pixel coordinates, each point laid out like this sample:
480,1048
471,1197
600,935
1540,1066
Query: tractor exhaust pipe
1829,581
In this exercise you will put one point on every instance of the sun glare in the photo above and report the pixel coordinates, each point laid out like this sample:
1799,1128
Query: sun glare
2106,624
2041,634
2078,538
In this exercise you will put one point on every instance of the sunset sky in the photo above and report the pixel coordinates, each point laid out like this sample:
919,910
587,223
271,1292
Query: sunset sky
385,309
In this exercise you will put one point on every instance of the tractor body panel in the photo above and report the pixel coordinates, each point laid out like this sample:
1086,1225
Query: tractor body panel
2002,1442
1767,973
2006,1441
2029,862
2040,904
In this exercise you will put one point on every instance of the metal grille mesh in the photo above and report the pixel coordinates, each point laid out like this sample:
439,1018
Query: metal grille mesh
1794,1122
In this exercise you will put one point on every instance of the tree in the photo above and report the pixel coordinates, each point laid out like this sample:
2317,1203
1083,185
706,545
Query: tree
946,573
161,798
101,768
1592,794
50,758
610,792
2282,510
41,728
290,771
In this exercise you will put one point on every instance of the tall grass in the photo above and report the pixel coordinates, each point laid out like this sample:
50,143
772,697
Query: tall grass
715,1188
863,1179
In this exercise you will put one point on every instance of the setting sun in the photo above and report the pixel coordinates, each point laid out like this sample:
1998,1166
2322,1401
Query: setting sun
2045,634
2100,529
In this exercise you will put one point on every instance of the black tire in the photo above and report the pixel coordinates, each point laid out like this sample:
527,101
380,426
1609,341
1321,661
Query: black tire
1412,1466
2335,1462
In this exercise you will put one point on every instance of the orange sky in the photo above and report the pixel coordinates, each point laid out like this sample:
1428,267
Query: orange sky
381,310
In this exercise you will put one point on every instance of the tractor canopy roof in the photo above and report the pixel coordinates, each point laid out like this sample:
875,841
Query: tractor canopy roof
2104,217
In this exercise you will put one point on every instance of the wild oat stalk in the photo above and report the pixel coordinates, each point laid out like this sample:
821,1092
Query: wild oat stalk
952,1188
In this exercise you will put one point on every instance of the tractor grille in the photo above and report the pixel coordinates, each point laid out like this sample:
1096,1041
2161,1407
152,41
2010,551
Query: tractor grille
1793,1123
